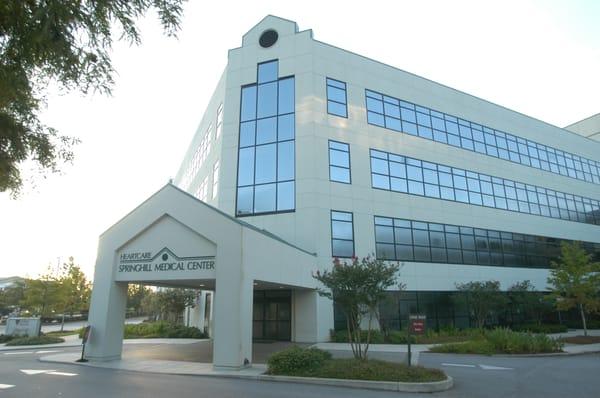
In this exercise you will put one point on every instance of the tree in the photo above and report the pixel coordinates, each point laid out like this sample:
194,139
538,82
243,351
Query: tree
357,288
74,290
575,281
11,297
525,299
169,303
484,298
42,295
67,43
135,297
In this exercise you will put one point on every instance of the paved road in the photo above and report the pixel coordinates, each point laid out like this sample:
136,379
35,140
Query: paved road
475,376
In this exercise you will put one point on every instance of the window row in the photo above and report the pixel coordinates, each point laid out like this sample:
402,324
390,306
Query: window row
202,151
266,157
406,240
403,174
398,115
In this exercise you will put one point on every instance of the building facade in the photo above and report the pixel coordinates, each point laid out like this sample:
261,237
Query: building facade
338,155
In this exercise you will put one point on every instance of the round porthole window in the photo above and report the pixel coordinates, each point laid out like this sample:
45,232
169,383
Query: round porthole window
268,38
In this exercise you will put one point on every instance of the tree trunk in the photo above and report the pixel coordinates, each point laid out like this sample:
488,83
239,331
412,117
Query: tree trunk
62,323
583,319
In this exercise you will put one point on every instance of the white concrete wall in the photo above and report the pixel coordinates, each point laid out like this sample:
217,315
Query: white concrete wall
311,62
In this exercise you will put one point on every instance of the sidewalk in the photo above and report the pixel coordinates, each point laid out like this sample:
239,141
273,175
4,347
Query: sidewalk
160,366
75,341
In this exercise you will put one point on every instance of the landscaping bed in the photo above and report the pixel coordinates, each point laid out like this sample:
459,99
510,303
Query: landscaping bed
162,329
503,341
313,362
37,340
581,339
400,336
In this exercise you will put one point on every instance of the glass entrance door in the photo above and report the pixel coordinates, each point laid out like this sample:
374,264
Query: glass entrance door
272,317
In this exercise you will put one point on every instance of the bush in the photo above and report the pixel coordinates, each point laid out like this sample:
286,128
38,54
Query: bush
162,329
5,338
35,340
545,328
295,359
503,341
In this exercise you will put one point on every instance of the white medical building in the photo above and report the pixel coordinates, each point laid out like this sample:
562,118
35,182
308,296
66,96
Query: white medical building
308,152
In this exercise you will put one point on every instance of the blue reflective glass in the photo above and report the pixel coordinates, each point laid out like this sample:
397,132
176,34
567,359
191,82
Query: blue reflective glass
265,198
339,158
245,200
285,127
266,163
339,174
267,72
335,94
267,100
247,133
341,230
375,118
285,196
286,96
335,108
379,181
248,103
266,130
246,167
285,161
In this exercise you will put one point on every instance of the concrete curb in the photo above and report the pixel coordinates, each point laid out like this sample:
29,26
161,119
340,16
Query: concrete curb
425,387
37,347
429,387
547,354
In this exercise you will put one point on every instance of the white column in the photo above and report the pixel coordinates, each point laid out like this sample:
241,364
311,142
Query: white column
312,317
107,311
232,343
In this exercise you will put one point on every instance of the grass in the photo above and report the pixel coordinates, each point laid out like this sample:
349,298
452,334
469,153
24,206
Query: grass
312,362
503,341
581,339
37,340
373,370
58,333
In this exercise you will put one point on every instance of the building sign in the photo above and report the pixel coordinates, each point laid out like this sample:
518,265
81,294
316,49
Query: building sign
23,326
146,264
417,323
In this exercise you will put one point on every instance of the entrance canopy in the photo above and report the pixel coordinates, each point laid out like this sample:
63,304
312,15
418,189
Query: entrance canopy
174,239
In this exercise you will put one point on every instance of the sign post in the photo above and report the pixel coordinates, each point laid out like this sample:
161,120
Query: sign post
416,325
86,335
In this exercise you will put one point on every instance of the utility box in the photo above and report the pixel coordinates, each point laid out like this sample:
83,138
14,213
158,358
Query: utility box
29,327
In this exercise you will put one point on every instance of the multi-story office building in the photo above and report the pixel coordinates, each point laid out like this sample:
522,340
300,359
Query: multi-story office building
334,155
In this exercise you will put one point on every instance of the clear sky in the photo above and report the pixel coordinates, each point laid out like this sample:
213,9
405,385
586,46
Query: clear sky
541,58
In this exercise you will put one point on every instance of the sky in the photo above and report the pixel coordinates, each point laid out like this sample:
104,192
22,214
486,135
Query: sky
541,58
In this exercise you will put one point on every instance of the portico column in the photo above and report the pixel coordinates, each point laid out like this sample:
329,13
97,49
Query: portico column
232,342
107,310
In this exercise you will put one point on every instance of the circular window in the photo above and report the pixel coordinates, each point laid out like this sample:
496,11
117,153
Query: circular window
268,38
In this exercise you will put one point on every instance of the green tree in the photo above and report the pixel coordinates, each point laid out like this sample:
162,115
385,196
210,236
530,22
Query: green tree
135,297
67,43
41,296
575,281
11,297
484,297
168,303
358,287
526,300
74,290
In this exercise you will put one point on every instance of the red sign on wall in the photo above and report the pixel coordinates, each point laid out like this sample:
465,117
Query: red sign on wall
417,324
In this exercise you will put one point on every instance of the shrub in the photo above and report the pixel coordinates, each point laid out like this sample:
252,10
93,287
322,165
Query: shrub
35,340
162,329
296,359
545,328
5,338
503,341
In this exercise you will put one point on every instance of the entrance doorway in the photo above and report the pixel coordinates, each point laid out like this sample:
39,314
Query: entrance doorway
272,315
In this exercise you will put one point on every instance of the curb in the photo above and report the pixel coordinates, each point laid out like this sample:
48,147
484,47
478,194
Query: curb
425,387
434,386
541,355
37,347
